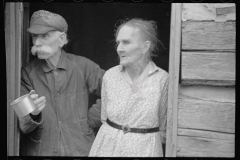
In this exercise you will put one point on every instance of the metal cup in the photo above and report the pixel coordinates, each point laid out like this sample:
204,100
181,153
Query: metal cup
23,105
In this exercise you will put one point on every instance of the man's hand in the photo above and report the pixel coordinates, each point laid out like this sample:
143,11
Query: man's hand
39,102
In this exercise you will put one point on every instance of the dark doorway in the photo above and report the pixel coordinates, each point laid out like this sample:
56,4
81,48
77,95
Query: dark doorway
91,30
92,25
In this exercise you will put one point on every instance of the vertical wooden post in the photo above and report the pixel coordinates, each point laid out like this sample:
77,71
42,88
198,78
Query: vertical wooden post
26,37
13,39
174,69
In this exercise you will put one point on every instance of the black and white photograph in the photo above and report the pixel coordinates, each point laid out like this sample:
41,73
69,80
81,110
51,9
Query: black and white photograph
120,79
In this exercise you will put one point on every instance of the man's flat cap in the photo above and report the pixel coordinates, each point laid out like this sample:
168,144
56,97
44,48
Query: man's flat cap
44,21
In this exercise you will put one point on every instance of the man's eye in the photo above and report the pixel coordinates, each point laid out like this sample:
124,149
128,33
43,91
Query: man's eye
45,35
34,35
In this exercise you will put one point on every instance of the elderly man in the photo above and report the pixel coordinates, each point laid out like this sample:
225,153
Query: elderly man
62,125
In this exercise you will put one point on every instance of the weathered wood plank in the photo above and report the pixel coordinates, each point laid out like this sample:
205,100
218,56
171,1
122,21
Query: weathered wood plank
209,93
206,134
174,67
200,67
26,36
13,38
224,5
208,27
8,58
206,115
196,143
18,64
198,11
226,10
208,36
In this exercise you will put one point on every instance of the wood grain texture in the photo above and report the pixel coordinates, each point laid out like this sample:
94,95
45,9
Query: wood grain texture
174,66
26,36
197,143
208,35
226,10
218,68
209,93
13,39
206,115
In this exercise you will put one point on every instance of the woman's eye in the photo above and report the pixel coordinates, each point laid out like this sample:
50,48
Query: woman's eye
126,42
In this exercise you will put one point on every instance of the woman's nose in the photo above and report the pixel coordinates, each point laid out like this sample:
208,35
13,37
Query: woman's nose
119,48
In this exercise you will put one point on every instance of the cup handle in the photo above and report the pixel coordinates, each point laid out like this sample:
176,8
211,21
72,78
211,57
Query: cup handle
32,92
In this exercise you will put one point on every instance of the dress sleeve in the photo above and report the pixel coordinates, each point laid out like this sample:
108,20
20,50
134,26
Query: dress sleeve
104,102
163,111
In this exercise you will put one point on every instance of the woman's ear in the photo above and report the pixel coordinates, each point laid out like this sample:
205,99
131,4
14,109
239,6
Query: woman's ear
147,45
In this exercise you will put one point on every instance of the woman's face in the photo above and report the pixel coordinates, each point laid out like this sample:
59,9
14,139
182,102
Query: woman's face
129,46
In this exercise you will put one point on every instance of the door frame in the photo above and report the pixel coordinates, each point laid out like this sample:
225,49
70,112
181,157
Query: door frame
13,47
174,70
17,42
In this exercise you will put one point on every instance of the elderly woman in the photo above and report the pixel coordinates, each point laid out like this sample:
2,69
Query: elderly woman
134,97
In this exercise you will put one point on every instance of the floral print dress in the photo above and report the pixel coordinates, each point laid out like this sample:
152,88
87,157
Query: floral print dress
138,104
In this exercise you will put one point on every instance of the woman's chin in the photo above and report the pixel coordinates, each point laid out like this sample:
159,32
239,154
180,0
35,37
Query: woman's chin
123,63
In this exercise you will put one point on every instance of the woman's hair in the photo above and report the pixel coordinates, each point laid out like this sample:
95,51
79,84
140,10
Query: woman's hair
148,31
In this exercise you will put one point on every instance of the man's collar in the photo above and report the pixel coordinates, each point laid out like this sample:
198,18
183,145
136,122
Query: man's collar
151,68
61,64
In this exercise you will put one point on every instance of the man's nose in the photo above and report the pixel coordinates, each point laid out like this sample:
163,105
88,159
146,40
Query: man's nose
36,41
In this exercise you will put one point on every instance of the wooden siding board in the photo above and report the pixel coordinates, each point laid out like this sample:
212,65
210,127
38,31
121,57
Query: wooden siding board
208,66
208,36
206,115
206,134
196,143
226,10
204,26
206,121
209,93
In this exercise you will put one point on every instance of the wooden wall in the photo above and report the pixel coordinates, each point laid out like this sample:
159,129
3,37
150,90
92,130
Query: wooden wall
206,121
206,99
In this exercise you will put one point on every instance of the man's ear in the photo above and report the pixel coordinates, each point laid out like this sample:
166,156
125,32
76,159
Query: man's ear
62,38
147,45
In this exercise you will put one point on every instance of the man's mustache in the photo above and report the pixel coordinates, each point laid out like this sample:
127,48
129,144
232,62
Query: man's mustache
40,49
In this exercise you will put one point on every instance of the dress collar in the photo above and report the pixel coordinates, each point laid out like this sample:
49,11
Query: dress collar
151,67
